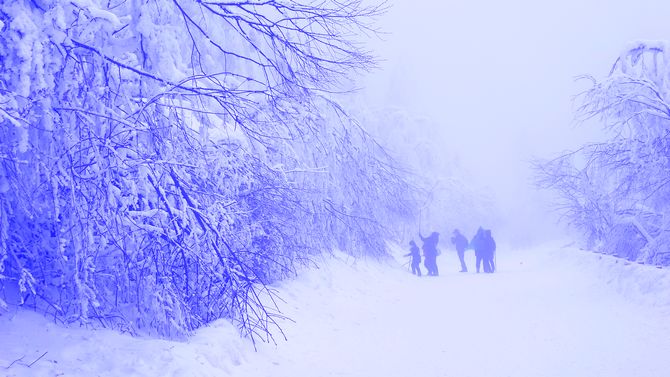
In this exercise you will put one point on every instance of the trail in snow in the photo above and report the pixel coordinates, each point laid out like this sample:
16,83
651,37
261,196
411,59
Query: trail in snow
547,312
539,316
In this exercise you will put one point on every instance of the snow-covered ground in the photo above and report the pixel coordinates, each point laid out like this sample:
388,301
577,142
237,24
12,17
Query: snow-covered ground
549,311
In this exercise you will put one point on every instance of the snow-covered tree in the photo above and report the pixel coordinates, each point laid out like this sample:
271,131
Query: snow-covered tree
163,161
446,195
618,191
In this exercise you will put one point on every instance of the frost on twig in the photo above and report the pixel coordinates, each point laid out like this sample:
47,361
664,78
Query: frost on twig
139,186
617,192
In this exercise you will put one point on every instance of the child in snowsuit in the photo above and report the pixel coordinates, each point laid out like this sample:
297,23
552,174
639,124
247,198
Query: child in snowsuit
416,258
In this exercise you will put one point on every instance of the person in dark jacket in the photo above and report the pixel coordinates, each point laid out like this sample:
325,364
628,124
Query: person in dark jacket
489,252
416,258
460,243
478,245
430,252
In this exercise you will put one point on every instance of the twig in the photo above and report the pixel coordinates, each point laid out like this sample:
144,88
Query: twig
38,359
15,361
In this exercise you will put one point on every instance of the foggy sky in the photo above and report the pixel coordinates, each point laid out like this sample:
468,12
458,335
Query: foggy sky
499,77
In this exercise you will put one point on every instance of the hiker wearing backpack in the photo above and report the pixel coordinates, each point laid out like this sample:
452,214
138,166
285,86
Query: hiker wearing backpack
477,243
489,252
430,252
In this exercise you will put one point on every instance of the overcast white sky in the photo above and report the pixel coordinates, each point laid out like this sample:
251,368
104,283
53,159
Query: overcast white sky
498,76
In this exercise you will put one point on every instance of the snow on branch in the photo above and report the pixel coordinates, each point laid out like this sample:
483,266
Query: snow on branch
163,162
617,191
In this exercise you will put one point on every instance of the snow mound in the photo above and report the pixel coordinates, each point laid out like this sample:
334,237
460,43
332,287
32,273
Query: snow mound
641,284
34,346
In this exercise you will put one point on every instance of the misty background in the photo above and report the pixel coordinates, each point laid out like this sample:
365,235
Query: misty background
496,82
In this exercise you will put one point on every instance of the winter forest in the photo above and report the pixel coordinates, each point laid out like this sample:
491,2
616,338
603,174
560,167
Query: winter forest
225,182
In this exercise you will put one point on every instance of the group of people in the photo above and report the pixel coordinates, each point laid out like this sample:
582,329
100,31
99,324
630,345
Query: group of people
482,243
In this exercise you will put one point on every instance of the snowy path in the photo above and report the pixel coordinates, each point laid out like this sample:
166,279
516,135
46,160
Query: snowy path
540,316
548,312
